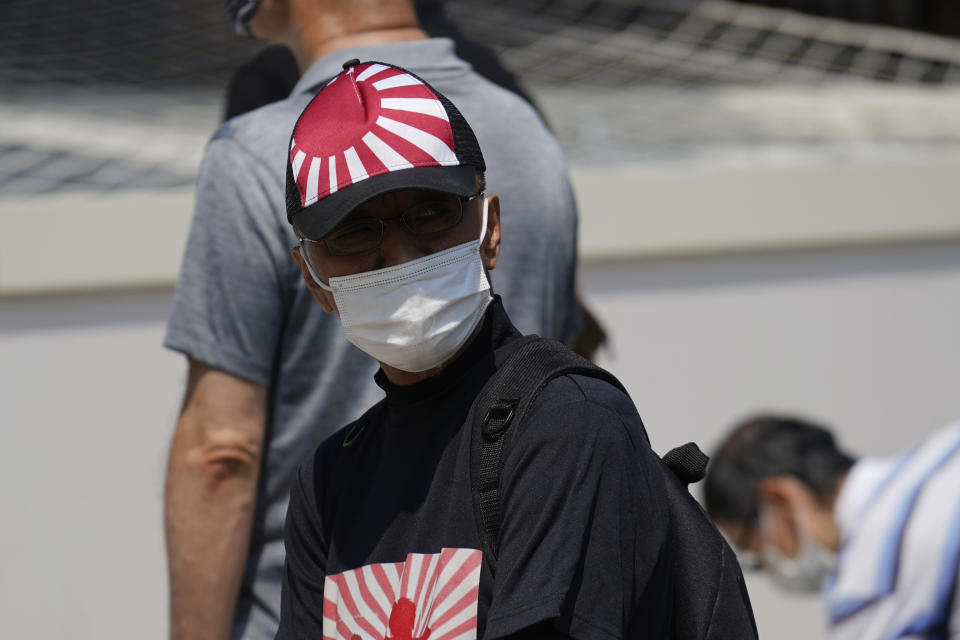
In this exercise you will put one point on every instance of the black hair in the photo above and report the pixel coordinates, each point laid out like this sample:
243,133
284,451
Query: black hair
765,446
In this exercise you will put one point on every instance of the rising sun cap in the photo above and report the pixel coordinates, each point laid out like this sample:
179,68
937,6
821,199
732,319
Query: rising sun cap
373,129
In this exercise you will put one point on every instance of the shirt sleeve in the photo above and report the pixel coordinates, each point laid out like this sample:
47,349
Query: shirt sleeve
583,539
304,569
237,273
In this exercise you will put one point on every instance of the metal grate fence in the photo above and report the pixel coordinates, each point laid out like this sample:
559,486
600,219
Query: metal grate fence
135,42
685,42
172,43
108,95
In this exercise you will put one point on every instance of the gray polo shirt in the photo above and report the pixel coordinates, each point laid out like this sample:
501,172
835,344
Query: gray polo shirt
241,306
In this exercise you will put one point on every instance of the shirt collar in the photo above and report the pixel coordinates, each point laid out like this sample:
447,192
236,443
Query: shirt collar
429,54
861,486
495,331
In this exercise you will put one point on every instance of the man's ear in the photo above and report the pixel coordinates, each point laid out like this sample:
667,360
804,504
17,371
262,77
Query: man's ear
490,249
322,296
781,499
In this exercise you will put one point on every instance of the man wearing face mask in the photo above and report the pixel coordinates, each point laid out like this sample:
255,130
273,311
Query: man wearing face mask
396,236
881,538
270,375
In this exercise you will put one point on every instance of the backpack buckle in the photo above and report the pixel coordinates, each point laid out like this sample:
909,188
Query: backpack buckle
497,419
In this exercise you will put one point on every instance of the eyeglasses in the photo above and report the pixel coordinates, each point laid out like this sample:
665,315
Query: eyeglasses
365,234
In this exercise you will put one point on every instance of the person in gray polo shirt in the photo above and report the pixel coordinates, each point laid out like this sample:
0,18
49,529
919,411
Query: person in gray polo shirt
270,375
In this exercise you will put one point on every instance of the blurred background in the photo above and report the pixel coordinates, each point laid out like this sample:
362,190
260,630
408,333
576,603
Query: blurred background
769,211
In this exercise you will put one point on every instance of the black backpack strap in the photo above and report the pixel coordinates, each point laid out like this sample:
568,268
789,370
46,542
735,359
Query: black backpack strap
710,597
504,401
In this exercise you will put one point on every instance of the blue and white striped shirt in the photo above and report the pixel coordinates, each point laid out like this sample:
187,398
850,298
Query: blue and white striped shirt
897,567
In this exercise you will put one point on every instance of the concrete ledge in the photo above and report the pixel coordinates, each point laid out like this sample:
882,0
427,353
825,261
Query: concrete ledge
131,240
92,242
650,211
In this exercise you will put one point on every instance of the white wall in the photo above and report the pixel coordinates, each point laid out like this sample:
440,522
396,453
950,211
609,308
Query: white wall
87,402
864,338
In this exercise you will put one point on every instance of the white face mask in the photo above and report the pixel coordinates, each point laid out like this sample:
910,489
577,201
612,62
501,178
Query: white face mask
803,574
415,316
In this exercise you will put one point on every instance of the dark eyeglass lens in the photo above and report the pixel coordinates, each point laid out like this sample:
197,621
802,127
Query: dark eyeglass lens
356,237
431,217
423,218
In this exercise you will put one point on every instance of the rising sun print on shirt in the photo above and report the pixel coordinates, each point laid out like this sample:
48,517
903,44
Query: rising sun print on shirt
427,597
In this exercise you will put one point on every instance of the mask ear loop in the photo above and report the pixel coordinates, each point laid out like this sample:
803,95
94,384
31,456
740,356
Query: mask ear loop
313,274
483,225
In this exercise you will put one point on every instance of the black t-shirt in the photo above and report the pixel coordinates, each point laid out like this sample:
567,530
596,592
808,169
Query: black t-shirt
382,540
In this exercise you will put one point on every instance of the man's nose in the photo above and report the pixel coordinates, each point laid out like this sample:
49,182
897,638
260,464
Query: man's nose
399,245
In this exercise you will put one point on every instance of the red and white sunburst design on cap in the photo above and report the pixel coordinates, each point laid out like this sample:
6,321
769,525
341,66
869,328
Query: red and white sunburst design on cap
428,597
385,119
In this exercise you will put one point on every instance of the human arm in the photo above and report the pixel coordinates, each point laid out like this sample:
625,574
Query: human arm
583,539
228,311
209,499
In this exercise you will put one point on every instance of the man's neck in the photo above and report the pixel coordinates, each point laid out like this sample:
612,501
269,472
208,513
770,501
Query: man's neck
332,45
407,378
314,39
832,533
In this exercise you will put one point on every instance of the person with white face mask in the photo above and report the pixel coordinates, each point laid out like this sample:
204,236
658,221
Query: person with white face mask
879,538
385,191
270,374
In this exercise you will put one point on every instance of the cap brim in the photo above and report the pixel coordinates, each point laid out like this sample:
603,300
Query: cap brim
321,217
